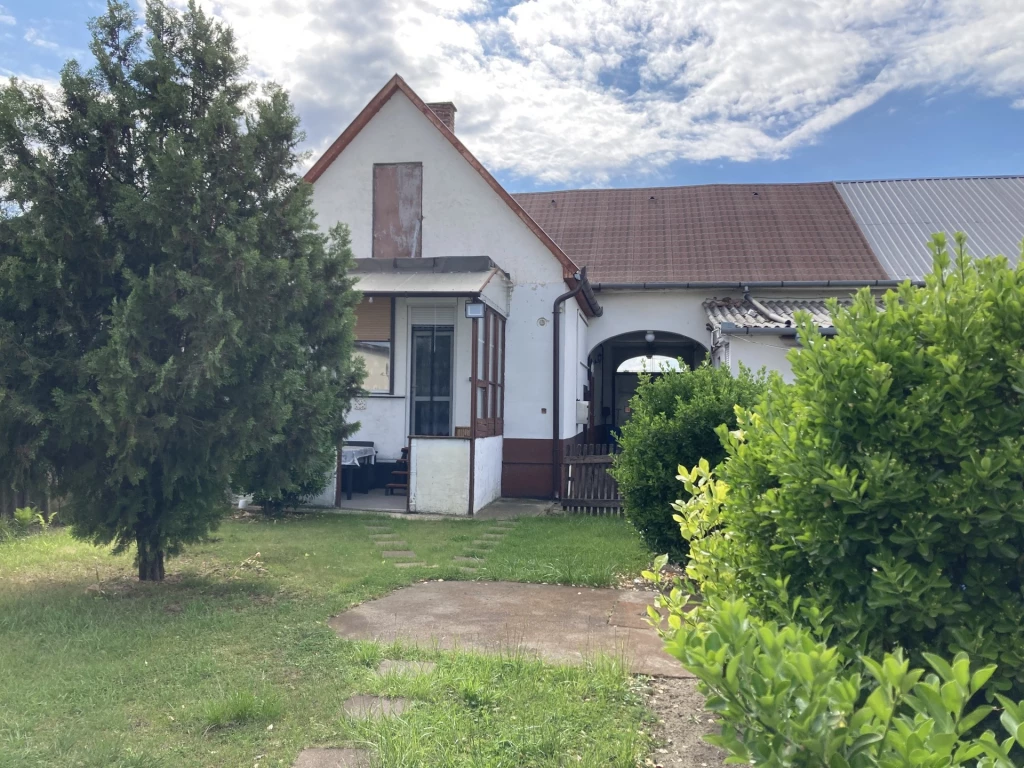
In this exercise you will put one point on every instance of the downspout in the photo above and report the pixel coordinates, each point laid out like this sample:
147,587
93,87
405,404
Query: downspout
556,389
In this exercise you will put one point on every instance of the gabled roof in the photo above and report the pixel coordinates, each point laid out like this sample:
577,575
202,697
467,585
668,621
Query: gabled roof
715,233
898,217
395,85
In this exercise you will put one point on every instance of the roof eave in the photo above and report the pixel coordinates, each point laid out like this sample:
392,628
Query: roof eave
752,284
732,329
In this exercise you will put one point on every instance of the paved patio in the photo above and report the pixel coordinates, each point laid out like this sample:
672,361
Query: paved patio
559,624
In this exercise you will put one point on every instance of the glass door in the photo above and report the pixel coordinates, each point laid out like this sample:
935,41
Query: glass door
431,386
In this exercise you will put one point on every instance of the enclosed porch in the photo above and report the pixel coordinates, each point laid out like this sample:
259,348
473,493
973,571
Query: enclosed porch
431,335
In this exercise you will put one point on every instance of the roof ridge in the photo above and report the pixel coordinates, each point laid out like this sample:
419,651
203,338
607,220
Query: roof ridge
681,186
769,184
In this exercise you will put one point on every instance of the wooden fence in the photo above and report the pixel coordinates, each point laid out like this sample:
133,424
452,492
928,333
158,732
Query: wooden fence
587,487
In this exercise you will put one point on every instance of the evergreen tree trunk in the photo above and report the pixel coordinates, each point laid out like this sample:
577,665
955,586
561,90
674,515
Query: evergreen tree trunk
149,542
150,557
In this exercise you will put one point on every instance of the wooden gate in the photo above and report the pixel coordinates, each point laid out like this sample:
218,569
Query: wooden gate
587,486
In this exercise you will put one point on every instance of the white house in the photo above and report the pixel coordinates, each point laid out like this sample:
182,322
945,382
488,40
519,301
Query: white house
494,326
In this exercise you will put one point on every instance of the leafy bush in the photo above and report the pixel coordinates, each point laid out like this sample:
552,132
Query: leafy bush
26,517
673,422
784,698
885,486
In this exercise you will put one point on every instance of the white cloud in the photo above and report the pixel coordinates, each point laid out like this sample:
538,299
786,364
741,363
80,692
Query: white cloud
578,91
32,36
6,18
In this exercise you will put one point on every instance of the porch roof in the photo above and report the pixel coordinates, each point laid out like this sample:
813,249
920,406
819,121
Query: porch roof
767,315
447,276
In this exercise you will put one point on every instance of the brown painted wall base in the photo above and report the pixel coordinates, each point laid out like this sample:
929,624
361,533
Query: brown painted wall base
526,467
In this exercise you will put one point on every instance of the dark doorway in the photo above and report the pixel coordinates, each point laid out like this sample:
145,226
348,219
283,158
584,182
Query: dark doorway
431,385
616,365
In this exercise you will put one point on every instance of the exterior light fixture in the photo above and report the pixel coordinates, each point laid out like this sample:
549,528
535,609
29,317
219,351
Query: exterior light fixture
474,309
649,337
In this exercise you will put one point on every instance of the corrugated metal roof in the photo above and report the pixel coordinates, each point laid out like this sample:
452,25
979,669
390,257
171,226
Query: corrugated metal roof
718,232
899,217
744,314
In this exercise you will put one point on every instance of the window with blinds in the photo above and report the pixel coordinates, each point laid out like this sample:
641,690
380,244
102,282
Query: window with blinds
374,324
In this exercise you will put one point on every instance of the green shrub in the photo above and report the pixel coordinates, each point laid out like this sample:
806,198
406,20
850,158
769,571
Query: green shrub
886,484
784,698
673,422
26,517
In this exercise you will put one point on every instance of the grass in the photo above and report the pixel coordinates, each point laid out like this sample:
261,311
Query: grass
230,661
241,707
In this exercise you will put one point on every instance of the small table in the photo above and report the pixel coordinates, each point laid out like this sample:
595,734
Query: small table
350,460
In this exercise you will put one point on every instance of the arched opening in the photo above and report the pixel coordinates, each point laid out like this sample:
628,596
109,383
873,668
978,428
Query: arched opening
649,364
616,366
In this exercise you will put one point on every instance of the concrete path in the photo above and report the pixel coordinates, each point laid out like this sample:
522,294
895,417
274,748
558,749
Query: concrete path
560,624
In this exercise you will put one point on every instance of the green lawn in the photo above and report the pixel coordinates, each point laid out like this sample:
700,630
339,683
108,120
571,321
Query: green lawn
230,662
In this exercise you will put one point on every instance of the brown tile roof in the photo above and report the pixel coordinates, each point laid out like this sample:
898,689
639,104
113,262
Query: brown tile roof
715,233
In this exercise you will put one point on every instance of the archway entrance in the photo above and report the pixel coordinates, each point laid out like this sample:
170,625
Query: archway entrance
616,366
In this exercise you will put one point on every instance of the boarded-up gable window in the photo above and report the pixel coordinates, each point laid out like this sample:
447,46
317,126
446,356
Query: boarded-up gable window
397,210
373,342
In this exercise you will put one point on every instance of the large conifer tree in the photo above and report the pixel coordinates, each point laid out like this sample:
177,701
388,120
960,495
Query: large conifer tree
168,308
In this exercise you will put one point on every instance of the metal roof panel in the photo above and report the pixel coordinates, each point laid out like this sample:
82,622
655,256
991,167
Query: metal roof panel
899,217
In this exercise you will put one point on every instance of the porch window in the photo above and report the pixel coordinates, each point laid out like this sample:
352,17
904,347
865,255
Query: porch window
374,325
488,375
433,357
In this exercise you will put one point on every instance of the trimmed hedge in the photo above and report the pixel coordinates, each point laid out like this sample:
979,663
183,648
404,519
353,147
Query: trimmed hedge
674,417
884,488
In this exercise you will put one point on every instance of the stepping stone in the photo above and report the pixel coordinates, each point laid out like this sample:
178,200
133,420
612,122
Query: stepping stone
389,666
464,569
410,565
379,529
389,553
484,543
333,758
379,536
391,543
494,536
468,559
365,707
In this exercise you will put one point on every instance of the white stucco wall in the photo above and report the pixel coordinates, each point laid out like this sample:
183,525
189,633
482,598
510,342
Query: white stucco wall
681,311
439,476
462,216
382,419
487,471
326,496
670,311
757,351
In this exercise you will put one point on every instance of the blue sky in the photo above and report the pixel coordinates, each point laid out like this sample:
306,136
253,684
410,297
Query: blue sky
555,94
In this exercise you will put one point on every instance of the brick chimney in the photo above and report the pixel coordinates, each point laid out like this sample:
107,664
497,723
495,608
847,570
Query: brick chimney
445,111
